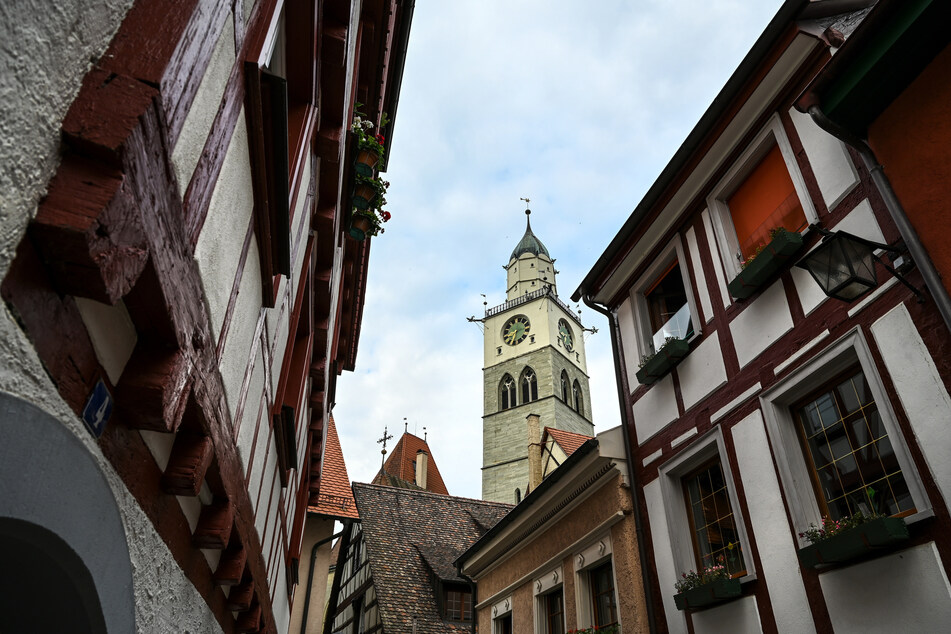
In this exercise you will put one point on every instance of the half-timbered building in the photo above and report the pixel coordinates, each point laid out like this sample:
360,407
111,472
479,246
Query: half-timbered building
757,403
180,295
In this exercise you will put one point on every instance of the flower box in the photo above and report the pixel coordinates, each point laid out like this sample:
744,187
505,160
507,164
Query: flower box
360,226
854,542
366,161
761,268
708,594
663,361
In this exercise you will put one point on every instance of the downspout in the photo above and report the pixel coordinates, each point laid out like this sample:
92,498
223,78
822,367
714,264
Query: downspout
623,395
310,577
472,589
896,211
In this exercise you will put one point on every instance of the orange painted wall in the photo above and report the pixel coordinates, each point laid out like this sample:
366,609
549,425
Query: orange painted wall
912,140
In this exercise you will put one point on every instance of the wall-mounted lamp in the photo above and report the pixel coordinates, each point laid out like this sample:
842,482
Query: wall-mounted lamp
844,265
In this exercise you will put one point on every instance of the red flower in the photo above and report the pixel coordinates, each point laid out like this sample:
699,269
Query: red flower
379,138
386,215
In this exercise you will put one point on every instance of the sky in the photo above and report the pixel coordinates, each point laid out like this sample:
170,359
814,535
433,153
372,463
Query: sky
577,106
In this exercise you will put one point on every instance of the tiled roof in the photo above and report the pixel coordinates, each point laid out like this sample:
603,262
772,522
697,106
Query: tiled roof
390,480
400,463
569,441
411,537
336,498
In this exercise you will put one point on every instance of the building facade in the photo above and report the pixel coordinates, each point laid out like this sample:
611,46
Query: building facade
566,557
777,405
180,295
534,364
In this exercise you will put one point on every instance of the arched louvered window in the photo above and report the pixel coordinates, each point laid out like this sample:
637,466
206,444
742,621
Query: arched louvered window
518,496
579,399
507,392
529,386
564,387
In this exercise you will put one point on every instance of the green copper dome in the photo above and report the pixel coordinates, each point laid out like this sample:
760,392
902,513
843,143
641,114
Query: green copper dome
529,244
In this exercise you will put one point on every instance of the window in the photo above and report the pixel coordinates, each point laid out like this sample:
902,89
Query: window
503,624
712,525
848,451
576,392
603,600
518,495
701,507
507,392
502,616
564,387
837,446
764,190
529,386
663,304
457,600
554,612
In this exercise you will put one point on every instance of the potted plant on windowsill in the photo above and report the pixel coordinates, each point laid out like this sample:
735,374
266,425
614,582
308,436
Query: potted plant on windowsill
655,366
367,213
709,586
370,150
765,261
842,540
606,629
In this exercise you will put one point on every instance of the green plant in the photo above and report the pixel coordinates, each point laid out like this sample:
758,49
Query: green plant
607,629
775,231
831,527
362,128
645,359
691,580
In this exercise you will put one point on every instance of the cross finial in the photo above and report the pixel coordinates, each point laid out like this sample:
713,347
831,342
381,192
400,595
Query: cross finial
383,440
424,434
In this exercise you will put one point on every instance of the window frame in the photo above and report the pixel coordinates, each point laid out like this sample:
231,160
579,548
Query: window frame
527,393
510,393
577,397
674,251
794,476
771,134
706,448
597,553
690,520
464,592
500,611
542,586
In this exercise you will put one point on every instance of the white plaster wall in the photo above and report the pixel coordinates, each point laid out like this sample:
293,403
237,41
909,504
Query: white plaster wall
282,322
628,336
907,591
112,333
831,164
257,466
663,556
702,372
656,409
241,342
204,108
271,482
715,255
737,617
761,324
771,531
809,292
701,286
920,390
226,225
252,409
861,222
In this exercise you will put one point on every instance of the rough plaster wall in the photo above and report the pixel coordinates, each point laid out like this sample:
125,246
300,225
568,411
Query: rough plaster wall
629,583
48,48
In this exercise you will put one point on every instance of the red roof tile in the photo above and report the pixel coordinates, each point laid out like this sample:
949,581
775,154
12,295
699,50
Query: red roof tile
336,498
569,441
401,463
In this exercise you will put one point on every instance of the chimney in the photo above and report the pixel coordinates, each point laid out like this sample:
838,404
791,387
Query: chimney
421,464
534,451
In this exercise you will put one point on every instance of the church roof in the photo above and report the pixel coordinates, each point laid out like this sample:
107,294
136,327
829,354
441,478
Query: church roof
529,244
335,498
401,464
399,526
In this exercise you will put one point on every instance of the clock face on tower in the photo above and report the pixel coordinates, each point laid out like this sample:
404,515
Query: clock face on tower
516,329
564,333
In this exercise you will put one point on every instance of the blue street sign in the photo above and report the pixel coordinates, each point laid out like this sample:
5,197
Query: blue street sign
98,409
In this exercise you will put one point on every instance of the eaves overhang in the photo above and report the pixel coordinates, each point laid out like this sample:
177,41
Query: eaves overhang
891,47
606,277
568,485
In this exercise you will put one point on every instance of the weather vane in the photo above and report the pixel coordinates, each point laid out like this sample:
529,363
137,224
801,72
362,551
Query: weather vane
383,440
528,211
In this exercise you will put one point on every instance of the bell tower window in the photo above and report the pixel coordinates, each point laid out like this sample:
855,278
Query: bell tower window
529,386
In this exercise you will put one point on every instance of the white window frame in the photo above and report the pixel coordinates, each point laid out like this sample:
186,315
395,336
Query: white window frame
710,445
499,611
771,134
549,582
642,324
794,472
595,554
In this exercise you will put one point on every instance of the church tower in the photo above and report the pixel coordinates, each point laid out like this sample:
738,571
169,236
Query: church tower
534,364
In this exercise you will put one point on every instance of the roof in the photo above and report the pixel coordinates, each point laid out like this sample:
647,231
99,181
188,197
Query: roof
335,498
401,464
399,526
529,242
569,441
